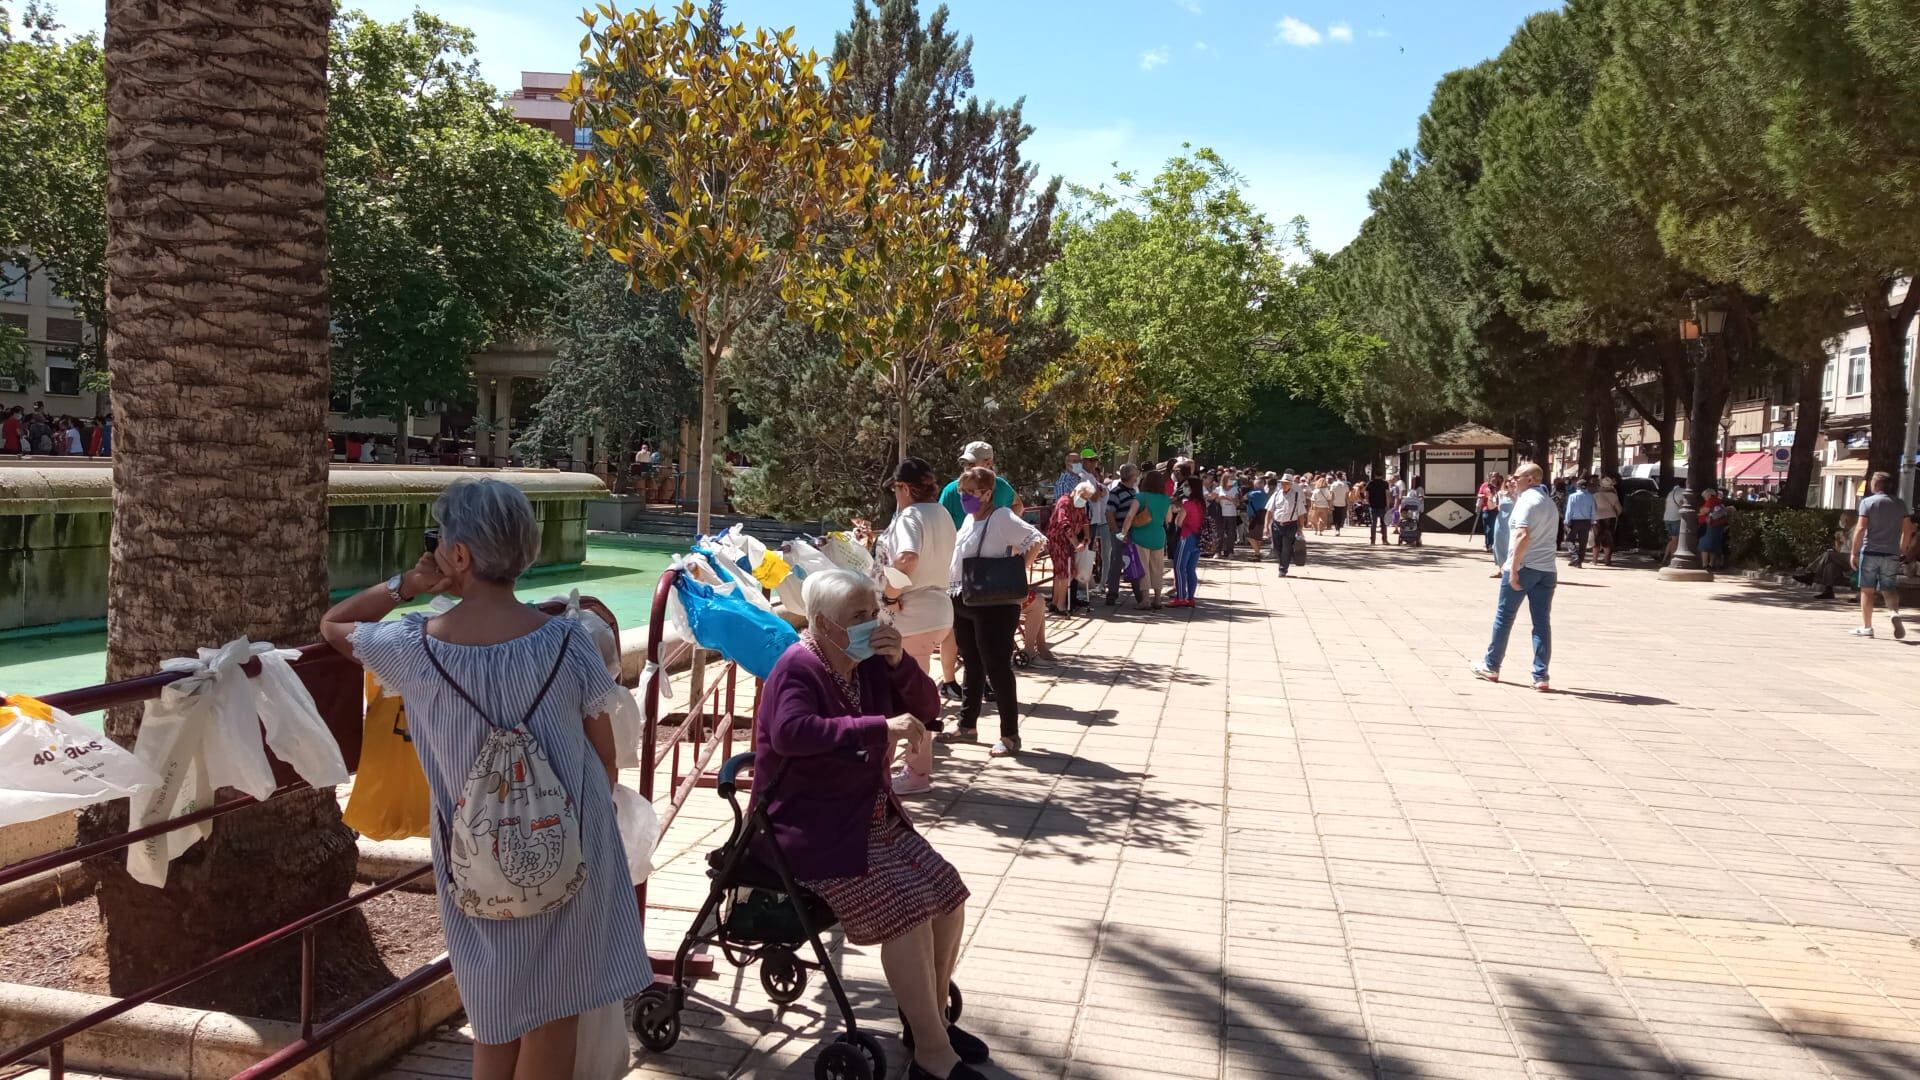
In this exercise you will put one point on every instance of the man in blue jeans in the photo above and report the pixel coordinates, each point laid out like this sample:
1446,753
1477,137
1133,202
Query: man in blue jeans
1529,574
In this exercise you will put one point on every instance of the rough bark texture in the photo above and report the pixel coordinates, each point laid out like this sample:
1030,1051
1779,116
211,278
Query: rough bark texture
1886,330
1806,430
217,309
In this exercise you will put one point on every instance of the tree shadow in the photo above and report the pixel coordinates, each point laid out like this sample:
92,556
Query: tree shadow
1115,670
1046,710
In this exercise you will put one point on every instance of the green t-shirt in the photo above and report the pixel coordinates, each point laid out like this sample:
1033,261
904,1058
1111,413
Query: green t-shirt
950,498
1154,533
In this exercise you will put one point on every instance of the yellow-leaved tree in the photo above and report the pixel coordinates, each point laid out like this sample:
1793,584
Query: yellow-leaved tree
905,297
1099,393
718,162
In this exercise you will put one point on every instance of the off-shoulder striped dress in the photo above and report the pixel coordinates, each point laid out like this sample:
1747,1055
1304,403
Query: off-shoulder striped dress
515,975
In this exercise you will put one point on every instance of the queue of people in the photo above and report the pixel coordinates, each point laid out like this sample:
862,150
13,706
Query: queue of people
35,431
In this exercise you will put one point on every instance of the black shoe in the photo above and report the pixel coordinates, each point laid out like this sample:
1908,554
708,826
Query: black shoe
971,1048
1804,579
1824,594
952,692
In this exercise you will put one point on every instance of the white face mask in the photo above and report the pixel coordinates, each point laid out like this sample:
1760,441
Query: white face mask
1076,468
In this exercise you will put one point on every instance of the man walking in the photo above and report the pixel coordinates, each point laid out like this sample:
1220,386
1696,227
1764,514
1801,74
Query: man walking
1580,517
1377,494
1228,496
1284,510
1340,491
1121,502
1881,534
1257,494
1529,575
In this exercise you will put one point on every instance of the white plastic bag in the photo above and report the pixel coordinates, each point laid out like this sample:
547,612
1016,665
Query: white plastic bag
1083,566
841,550
50,762
203,733
625,711
600,1049
639,830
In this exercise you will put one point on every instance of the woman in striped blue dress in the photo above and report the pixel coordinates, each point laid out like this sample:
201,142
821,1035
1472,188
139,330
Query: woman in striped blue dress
524,981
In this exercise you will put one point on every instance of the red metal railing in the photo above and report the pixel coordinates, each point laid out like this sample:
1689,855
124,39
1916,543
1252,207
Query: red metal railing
333,680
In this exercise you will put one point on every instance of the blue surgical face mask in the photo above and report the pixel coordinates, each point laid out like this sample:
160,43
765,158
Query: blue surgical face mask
1079,503
859,644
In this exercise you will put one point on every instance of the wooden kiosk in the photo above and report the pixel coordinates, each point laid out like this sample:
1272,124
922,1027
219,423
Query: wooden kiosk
1454,463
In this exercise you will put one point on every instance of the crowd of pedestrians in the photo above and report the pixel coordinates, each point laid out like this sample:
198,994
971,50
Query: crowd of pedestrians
35,431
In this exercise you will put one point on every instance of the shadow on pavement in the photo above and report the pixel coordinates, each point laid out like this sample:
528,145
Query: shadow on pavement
1613,697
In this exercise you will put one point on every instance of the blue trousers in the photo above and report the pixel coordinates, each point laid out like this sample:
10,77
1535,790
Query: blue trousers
1536,588
1186,568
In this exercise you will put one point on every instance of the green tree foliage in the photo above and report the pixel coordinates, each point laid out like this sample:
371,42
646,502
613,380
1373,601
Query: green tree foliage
621,368
915,81
1180,267
444,235
53,160
1286,431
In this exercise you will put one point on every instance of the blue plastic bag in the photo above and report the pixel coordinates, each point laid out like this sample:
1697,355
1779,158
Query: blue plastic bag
728,623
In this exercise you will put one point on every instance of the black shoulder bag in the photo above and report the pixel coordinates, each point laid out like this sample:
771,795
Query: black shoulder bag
992,580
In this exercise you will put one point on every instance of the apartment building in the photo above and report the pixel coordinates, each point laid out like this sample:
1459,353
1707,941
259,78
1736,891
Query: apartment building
31,304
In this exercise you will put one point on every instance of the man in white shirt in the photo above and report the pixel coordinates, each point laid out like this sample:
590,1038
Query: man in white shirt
1284,510
1227,495
1529,574
1671,515
1341,491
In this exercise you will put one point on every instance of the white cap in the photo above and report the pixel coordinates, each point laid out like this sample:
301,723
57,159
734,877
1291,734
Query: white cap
1287,476
976,452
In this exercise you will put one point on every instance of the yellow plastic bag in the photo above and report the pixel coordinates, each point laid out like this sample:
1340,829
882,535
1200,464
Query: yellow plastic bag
772,570
390,798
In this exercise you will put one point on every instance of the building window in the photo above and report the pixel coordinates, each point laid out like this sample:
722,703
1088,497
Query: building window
582,138
13,282
63,330
63,378
1826,382
1856,372
55,298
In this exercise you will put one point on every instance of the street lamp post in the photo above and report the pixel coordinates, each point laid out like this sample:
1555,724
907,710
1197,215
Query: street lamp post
1709,321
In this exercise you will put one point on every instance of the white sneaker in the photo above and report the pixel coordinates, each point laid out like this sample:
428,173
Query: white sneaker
1482,671
908,782
1862,631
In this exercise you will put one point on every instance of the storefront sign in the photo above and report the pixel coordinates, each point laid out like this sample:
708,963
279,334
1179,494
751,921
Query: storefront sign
1448,455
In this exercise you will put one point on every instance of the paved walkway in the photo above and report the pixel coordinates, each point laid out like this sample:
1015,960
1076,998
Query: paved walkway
1286,834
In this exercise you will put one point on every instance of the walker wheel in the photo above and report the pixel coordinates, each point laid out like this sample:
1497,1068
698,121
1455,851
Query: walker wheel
842,1061
870,1046
781,976
954,1002
656,1020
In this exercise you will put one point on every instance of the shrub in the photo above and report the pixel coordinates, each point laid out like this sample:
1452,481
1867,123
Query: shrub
1773,537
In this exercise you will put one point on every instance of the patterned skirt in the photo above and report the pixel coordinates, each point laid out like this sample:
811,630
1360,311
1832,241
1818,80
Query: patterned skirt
906,883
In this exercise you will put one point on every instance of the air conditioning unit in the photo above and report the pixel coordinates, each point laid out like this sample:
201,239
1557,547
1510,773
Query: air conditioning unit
1778,414
9,385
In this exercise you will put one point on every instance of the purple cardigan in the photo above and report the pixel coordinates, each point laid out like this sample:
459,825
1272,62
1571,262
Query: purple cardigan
825,767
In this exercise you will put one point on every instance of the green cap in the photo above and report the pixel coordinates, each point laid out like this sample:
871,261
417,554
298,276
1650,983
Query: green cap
1089,452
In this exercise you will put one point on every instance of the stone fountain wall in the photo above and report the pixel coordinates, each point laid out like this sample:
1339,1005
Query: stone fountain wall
56,519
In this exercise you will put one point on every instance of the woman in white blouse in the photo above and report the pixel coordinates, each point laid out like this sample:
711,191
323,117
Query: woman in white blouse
913,559
986,633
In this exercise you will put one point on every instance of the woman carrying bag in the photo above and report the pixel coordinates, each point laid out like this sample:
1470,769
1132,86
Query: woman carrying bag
990,560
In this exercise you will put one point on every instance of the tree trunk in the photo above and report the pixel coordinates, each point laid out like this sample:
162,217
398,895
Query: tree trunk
1886,336
217,312
905,403
1607,420
1670,360
1703,423
1806,429
704,471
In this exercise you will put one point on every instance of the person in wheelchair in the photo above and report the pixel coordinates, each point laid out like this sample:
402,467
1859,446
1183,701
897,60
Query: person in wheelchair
832,713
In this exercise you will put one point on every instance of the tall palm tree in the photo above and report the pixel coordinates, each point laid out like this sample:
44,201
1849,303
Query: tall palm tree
217,316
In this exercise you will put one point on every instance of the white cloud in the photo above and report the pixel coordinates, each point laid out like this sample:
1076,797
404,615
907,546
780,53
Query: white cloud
1153,58
1294,32
1340,32
1200,46
1191,7
1377,34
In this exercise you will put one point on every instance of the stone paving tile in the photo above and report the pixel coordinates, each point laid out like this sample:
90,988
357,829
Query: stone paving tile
1287,835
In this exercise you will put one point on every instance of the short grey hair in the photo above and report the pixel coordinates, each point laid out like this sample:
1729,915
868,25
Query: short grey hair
833,592
1129,471
495,520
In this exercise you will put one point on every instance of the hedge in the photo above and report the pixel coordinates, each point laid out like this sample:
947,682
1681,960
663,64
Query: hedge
1764,535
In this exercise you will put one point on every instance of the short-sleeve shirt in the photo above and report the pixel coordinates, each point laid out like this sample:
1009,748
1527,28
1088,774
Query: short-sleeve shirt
923,530
1884,515
1120,503
1535,512
1377,492
1196,515
1229,495
1339,490
1003,495
1256,502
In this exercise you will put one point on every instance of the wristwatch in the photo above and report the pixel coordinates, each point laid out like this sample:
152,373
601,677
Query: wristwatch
393,589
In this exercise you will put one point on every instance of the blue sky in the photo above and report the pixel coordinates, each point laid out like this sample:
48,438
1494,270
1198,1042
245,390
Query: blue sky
1307,98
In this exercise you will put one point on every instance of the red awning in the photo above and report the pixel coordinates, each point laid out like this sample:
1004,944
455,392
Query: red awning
1749,468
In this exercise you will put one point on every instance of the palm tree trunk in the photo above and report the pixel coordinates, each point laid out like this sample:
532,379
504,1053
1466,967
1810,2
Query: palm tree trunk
217,316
